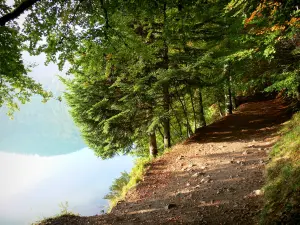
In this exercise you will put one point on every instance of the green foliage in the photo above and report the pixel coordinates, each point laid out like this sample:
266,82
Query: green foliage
15,85
117,186
137,67
127,181
283,178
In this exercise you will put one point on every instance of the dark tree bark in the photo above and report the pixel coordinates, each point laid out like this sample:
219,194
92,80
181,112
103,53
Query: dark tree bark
17,11
152,144
202,121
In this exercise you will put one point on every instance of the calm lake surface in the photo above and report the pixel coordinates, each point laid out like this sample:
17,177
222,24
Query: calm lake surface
44,162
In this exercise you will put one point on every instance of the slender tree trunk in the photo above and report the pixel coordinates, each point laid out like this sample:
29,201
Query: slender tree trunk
152,144
166,121
177,119
177,131
161,134
228,100
220,108
188,126
298,94
202,121
166,98
193,107
233,99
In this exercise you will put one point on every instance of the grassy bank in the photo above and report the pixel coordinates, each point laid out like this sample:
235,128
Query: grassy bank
123,184
282,190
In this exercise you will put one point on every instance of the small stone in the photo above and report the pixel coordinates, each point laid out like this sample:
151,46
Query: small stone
205,180
188,184
197,174
258,192
189,169
180,157
170,206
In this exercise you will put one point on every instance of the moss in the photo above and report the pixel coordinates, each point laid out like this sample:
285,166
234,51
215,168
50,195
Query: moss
282,190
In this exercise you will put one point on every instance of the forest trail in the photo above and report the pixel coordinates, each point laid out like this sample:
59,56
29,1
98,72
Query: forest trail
215,177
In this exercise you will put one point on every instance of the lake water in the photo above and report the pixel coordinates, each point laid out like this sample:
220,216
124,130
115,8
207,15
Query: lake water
44,162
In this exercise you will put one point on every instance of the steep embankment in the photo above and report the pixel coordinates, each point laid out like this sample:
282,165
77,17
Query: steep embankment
215,177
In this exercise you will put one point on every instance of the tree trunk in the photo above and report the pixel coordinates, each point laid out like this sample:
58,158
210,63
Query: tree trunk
233,99
152,144
166,121
191,93
298,94
202,121
177,119
166,98
228,100
183,105
220,108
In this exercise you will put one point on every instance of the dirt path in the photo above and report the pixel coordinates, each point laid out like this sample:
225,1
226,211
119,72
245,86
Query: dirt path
215,177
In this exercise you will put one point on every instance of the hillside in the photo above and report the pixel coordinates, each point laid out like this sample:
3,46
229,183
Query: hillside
35,126
215,177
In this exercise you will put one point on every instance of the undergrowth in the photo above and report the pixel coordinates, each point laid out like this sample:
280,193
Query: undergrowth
282,190
64,211
123,184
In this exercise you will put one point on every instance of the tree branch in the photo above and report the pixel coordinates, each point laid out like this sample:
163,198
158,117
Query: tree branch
17,11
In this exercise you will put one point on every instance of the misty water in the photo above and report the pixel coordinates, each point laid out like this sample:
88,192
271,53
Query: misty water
45,163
